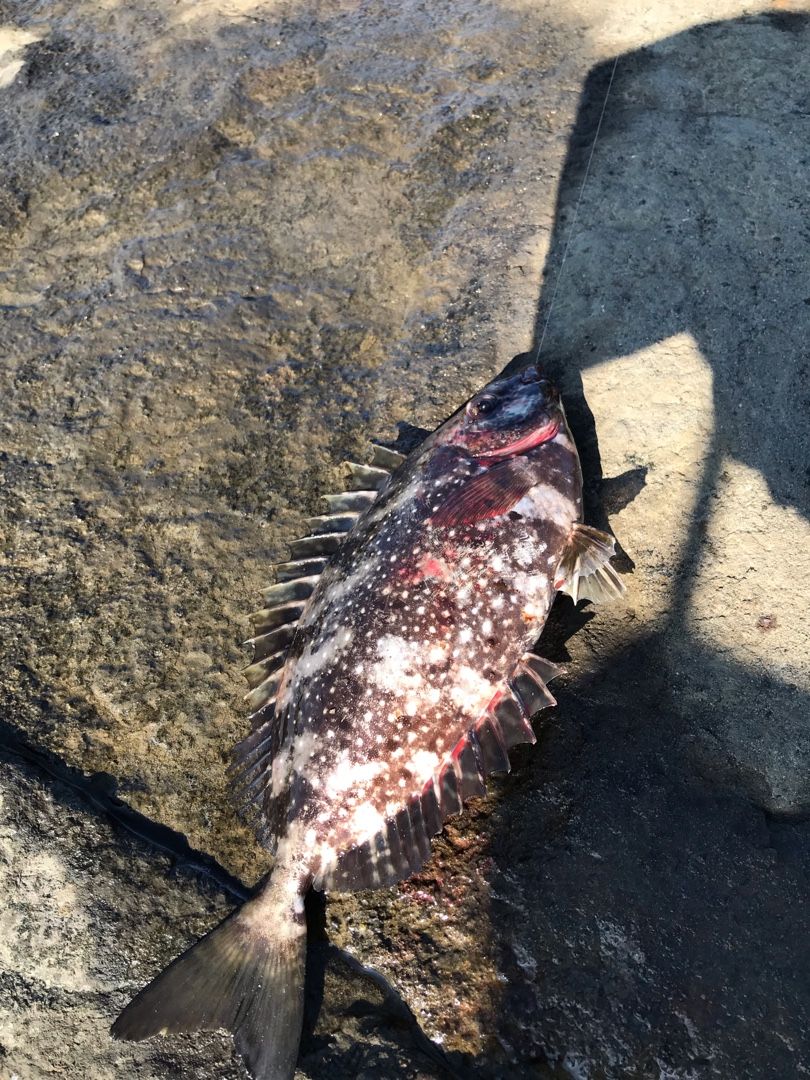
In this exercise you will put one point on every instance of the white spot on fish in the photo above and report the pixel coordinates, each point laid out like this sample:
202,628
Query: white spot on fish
398,669
304,747
422,765
470,691
545,502
279,773
347,775
309,663
525,552
365,822
436,654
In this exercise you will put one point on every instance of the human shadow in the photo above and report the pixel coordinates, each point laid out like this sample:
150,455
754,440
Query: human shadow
694,218
710,240
661,842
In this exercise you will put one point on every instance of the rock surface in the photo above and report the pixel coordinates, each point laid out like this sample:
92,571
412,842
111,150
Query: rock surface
236,240
89,911
85,911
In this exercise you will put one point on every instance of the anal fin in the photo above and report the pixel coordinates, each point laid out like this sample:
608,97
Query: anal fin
506,723
402,846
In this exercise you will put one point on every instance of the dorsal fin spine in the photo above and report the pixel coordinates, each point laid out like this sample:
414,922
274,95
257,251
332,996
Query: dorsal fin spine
258,672
299,568
319,544
363,477
254,779
265,645
330,523
385,458
286,592
267,619
263,693
350,501
239,767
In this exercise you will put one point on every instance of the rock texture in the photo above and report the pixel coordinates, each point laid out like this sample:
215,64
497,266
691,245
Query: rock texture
236,240
85,912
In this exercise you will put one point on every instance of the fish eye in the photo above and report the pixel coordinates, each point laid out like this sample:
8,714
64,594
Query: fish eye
482,406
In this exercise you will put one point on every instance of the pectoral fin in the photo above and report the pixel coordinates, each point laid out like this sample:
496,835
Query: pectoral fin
585,572
494,491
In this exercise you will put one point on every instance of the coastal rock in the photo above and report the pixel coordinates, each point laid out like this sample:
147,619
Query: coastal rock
239,239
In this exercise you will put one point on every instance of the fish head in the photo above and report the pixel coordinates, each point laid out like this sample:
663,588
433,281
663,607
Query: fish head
508,417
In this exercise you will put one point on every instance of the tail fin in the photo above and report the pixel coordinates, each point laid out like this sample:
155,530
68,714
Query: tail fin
246,975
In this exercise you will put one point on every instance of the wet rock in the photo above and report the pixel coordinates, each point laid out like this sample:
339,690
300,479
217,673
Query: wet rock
240,239
215,296
86,915
91,911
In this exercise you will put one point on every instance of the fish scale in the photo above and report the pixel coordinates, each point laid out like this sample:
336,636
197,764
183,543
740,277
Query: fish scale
391,674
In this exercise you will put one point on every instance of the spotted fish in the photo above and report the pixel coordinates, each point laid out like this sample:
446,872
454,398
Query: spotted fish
392,674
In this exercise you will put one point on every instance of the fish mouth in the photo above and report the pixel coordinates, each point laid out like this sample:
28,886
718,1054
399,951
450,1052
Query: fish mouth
528,442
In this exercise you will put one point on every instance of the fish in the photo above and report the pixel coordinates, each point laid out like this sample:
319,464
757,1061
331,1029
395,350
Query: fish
392,673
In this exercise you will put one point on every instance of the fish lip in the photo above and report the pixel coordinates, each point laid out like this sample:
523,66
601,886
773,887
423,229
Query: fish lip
528,442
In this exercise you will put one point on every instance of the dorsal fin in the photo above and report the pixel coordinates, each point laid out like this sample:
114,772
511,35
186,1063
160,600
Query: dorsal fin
285,592
350,500
300,568
275,626
257,672
366,477
384,458
333,523
276,615
402,846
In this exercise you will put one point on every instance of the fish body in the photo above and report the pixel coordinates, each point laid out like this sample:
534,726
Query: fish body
400,682
414,629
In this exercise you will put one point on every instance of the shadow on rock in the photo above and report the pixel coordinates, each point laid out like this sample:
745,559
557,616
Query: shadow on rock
654,852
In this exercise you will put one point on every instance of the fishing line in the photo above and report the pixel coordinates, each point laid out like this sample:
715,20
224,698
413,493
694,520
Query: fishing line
576,210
